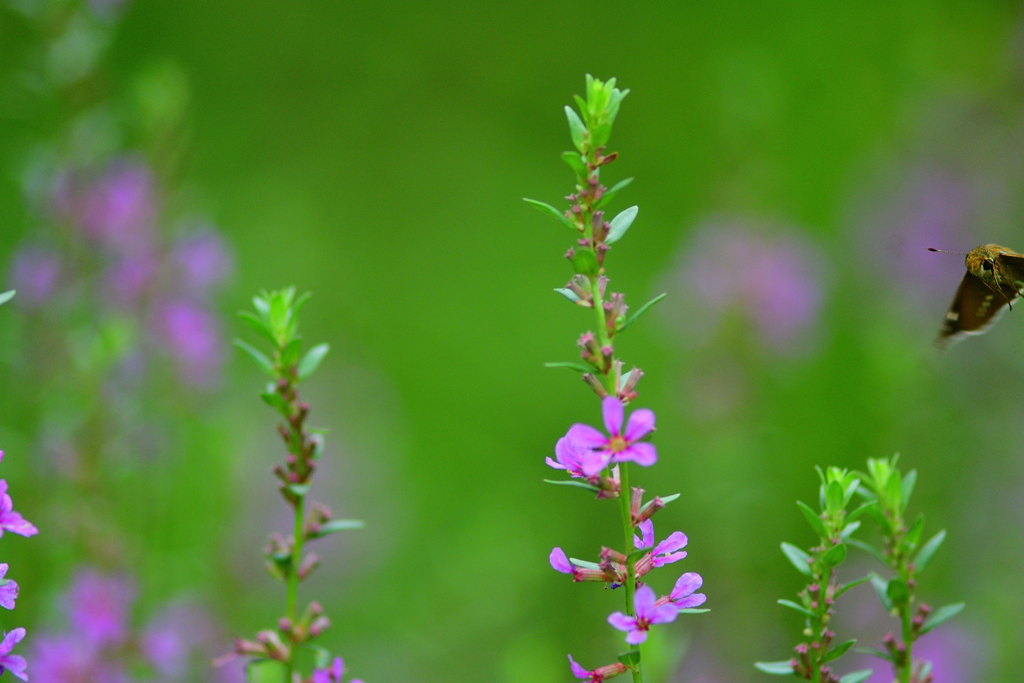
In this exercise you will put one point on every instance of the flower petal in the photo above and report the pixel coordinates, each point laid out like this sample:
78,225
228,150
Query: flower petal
695,600
577,670
552,463
611,409
621,621
643,601
641,423
662,560
338,668
585,437
662,614
636,637
647,535
643,454
15,664
675,541
11,639
559,562
594,461
685,585
8,594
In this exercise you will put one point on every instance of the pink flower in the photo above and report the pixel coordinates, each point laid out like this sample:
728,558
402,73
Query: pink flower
99,607
8,589
13,663
619,446
576,460
683,596
665,552
332,675
599,674
9,519
648,613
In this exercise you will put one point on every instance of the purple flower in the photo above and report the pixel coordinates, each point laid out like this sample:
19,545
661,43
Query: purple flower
619,446
99,607
665,552
127,279
35,273
576,460
332,675
173,636
596,675
9,519
118,207
63,659
13,663
683,596
647,614
202,261
8,589
559,562
192,337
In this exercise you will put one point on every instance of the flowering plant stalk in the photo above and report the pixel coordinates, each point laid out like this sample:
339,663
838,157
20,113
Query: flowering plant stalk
833,526
904,553
16,524
597,461
277,320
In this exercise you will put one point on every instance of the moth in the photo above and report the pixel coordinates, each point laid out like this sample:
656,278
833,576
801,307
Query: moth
994,278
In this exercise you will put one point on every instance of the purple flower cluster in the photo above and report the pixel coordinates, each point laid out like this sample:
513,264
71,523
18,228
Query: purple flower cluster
585,453
113,260
16,524
101,645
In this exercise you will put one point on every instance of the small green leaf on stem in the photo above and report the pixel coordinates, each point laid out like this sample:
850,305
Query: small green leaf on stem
579,367
838,651
620,224
800,559
799,608
929,548
835,556
275,401
577,128
576,163
262,361
906,488
585,263
857,676
817,525
551,211
335,525
311,361
257,323
882,589
777,668
6,296
847,586
610,193
568,294
897,592
643,309
573,482
942,614
868,548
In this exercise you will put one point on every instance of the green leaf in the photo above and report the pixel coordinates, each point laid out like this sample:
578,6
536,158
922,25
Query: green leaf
576,163
582,104
800,559
290,354
893,490
848,530
584,262
262,306
668,499
847,586
610,193
851,488
262,361
868,548
620,224
299,489
798,607
838,651
857,676
913,536
311,361
907,487
835,556
881,588
573,482
631,658
693,610
6,296
643,309
777,668
576,128
599,135
257,323
929,548
584,563
568,294
897,592
857,512
942,614
551,211
274,400
265,671
335,525
881,654
834,496
813,519
579,367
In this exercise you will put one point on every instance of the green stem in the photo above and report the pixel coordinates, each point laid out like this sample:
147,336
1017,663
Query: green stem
293,579
627,529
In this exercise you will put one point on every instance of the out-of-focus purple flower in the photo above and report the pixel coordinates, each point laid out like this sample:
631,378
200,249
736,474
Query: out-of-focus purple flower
172,637
116,208
732,265
99,605
8,589
331,675
35,273
202,262
63,659
665,552
683,596
9,519
619,446
128,277
596,675
14,663
647,614
191,335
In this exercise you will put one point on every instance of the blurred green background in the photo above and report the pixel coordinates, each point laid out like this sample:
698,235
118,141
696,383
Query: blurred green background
376,155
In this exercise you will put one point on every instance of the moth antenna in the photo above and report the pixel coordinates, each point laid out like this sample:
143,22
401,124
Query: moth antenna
956,253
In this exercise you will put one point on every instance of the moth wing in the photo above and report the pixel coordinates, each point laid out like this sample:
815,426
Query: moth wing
975,308
1014,263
